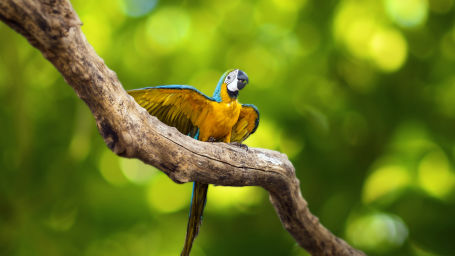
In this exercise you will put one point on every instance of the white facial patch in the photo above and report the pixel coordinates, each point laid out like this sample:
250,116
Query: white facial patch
231,81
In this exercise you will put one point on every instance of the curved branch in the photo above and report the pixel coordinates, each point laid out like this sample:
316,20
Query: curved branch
53,27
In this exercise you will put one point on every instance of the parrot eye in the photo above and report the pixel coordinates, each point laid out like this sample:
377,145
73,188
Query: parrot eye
230,77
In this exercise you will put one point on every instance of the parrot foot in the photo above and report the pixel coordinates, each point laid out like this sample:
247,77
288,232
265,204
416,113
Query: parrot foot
241,145
211,139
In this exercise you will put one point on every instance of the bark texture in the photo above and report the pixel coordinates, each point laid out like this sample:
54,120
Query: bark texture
53,27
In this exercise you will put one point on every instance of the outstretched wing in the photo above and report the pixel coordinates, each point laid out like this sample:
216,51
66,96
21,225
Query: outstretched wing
182,107
247,123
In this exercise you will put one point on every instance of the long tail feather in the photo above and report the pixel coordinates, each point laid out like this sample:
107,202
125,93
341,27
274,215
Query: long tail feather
195,219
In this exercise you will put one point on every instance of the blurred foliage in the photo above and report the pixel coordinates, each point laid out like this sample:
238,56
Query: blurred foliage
359,94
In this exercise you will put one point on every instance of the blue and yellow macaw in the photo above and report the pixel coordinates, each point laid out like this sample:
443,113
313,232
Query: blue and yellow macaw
220,118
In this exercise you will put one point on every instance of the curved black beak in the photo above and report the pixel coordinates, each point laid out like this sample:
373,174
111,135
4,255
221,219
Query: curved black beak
242,79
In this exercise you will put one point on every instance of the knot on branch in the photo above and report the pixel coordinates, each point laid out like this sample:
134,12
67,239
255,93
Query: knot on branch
43,23
56,18
109,135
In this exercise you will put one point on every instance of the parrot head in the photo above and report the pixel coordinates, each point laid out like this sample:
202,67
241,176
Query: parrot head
235,81
230,84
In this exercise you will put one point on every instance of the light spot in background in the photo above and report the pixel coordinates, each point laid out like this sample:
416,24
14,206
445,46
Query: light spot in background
384,181
388,49
358,36
378,232
137,8
110,169
224,199
354,24
167,29
411,138
363,30
411,144
435,175
407,13
165,196
136,171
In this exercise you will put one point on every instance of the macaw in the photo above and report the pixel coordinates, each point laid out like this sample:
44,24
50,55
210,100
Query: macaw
220,118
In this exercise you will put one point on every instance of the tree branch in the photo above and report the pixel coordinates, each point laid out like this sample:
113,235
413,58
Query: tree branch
53,27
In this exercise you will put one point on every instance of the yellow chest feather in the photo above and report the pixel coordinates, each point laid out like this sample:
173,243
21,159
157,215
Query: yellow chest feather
219,121
220,118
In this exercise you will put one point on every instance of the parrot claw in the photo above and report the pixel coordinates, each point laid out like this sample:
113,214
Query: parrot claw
211,139
241,145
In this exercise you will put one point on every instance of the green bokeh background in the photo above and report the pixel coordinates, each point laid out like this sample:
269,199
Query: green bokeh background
359,94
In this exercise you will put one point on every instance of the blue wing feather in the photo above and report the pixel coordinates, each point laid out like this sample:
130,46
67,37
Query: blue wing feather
176,86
